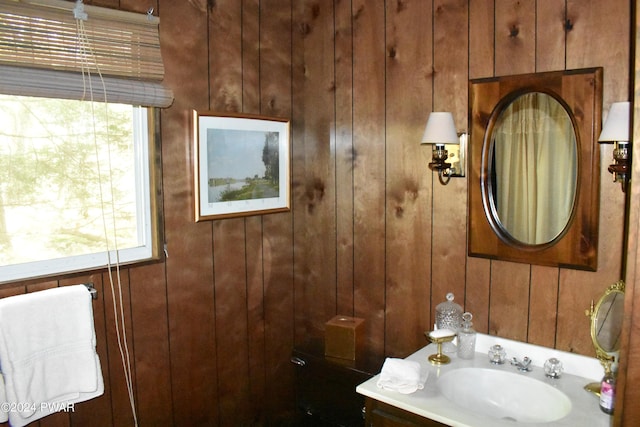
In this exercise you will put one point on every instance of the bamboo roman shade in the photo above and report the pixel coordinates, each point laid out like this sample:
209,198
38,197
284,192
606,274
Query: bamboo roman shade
41,53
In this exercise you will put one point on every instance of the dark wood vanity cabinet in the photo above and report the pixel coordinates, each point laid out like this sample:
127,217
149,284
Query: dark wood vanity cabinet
326,392
326,387
379,414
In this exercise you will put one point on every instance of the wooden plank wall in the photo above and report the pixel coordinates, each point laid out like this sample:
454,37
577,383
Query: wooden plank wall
627,392
370,233
408,242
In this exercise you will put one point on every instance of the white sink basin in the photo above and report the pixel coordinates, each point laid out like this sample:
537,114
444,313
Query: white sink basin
504,395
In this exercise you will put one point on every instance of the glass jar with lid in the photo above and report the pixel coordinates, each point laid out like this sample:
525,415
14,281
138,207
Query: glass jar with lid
449,316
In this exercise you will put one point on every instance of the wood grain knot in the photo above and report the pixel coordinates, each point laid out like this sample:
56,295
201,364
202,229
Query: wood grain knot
358,12
568,25
315,10
514,31
314,192
304,29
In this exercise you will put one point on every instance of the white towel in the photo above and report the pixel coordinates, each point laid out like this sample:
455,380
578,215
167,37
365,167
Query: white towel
48,353
403,376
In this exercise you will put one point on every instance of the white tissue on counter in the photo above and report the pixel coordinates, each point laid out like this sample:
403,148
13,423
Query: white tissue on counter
403,376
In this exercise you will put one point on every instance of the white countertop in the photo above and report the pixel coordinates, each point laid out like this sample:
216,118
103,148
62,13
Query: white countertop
430,403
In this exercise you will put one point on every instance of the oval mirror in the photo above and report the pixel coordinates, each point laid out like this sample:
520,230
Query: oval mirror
606,320
533,168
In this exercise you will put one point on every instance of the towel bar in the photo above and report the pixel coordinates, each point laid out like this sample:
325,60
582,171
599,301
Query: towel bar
93,291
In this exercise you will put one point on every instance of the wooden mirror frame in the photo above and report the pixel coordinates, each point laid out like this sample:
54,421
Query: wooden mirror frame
580,92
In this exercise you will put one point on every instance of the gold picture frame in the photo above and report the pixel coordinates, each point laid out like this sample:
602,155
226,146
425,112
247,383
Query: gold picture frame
241,165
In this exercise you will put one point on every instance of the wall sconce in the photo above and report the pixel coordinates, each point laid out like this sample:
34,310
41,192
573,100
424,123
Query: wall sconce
448,156
616,130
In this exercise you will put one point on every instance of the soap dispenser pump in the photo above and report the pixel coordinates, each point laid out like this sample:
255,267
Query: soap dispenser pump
466,338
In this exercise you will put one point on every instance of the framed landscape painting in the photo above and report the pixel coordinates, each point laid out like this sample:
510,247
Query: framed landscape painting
241,165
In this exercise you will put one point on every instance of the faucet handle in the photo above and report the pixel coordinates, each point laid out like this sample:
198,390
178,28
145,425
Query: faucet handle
524,365
553,368
497,354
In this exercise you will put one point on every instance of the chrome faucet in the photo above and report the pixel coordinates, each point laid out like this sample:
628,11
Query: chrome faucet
523,366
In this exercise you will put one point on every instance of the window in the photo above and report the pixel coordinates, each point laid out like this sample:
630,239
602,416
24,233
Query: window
74,182
76,157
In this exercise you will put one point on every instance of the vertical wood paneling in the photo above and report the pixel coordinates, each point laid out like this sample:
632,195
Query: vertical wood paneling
229,243
345,157
627,392
481,38
149,323
225,56
211,328
276,99
449,210
183,34
451,63
57,419
509,305
231,320
315,202
251,90
543,312
114,4
279,309
298,82
255,316
136,6
251,57
275,58
515,37
9,291
369,168
408,197
151,344
481,64
477,293
117,303
550,35
586,49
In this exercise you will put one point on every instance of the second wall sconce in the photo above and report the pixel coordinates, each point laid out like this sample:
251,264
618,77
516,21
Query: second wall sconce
616,130
448,155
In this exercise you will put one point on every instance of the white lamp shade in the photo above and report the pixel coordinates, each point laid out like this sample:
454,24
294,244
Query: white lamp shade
616,126
440,129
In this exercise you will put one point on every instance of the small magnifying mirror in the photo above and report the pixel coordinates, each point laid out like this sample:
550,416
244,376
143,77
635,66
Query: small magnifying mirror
606,326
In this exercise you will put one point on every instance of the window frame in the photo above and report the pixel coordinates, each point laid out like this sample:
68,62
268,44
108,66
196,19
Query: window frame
149,165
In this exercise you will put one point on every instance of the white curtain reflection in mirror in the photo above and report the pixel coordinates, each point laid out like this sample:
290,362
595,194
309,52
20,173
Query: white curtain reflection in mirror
534,168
